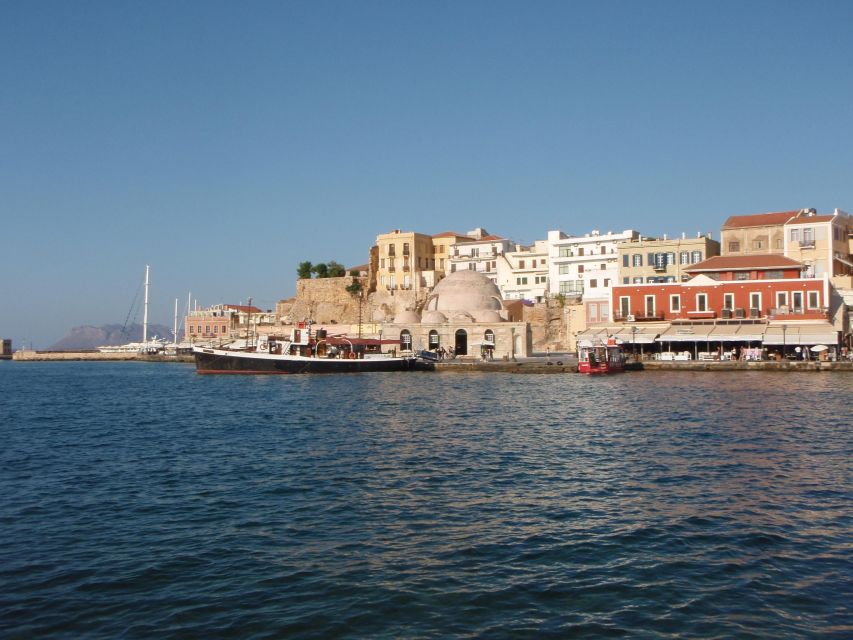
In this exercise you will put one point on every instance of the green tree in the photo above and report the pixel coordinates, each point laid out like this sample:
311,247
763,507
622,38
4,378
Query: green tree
321,270
304,270
354,273
355,288
336,269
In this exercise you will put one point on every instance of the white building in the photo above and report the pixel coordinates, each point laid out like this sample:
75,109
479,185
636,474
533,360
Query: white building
587,267
478,253
522,274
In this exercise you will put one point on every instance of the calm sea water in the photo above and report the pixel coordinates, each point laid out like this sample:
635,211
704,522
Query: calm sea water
143,500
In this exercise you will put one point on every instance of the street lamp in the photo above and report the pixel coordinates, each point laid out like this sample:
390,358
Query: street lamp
634,341
784,330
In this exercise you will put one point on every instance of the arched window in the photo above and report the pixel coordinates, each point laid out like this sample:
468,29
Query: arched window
489,337
434,342
406,340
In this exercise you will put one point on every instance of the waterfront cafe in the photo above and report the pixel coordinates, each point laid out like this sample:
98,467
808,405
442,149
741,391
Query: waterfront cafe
716,341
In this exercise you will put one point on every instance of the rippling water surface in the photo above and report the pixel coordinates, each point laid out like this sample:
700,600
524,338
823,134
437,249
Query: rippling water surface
143,500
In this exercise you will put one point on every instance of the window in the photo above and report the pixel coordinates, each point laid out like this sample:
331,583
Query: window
729,301
475,252
207,328
563,269
382,263
489,337
670,258
675,303
602,267
603,251
433,339
624,305
795,235
580,251
216,328
758,244
580,268
593,284
684,257
521,264
626,280
650,259
472,266
625,260
651,279
778,243
521,280
441,263
755,302
392,250
566,252
734,246
814,300
406,340
405,248
638,280
781,299
742,275
650,306
697,256
797,300
701,302
592,312
607,282
808,236
637,259
774,275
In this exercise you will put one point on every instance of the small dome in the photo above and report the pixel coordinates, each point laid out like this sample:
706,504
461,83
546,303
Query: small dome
487,315
462,316
433,317
407,317
465,291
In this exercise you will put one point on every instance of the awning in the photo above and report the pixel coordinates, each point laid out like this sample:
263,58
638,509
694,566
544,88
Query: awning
641,334
687,333
802,334
725,333
751,332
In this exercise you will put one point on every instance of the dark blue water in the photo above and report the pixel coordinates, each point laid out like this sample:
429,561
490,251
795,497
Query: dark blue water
142,500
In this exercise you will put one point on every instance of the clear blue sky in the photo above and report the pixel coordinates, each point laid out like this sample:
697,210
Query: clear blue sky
224,142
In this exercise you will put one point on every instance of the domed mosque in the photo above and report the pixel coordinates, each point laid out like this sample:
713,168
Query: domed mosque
466,314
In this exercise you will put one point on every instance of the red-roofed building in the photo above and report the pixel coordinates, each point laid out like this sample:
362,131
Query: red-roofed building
761,233
224,322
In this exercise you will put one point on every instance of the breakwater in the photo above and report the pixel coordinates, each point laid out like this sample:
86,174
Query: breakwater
26,355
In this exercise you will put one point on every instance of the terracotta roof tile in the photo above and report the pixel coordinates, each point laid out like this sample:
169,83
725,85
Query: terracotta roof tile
739,263
759,219
449,234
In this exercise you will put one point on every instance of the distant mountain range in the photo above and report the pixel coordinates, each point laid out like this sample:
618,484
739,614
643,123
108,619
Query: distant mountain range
89,337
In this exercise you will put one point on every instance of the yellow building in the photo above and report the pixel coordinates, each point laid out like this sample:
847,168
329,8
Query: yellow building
441,249
644,260
822,244
757,234
405,261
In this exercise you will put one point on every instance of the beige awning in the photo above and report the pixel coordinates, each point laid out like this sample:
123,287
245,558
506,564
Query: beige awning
687,333
801,334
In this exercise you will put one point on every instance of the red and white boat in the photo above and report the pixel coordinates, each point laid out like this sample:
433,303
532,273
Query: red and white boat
600,357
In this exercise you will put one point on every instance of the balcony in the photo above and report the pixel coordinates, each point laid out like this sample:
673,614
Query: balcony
797,313
638,316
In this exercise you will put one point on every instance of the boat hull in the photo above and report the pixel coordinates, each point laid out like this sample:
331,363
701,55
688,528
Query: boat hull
600,368
216,361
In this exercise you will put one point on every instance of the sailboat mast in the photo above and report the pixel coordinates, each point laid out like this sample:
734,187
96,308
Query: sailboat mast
175,330
145,312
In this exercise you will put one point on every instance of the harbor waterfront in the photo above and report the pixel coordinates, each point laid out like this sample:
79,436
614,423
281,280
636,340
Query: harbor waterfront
148,501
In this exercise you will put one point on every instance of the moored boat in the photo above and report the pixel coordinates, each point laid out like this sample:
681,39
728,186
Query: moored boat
304,351
599,357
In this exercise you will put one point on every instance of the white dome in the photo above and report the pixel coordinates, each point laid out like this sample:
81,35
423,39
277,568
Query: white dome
407,317
465,291
433,317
